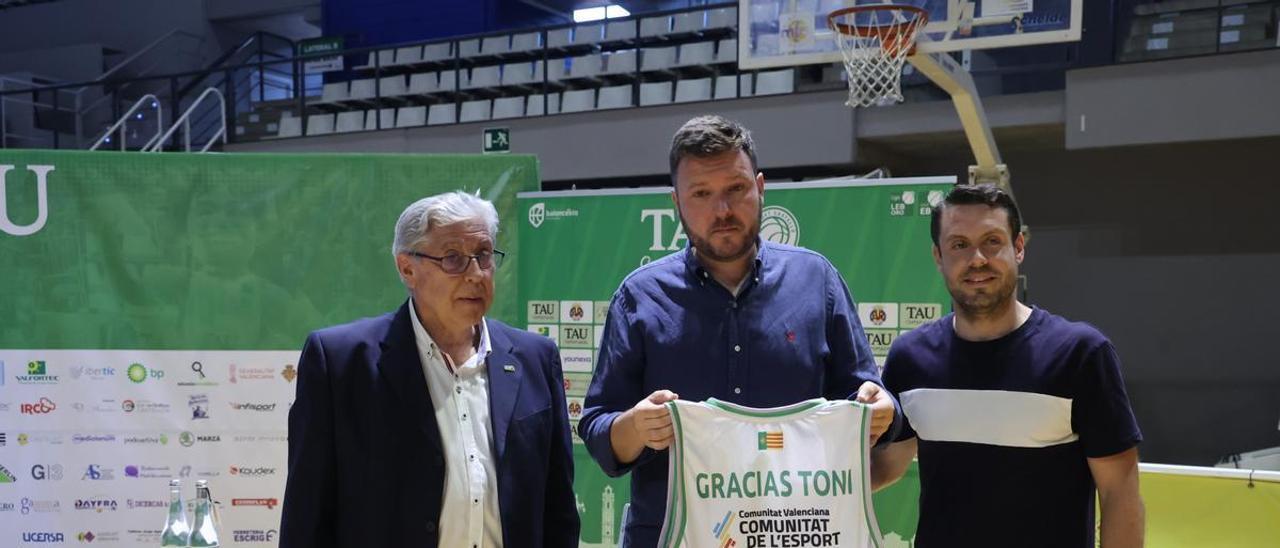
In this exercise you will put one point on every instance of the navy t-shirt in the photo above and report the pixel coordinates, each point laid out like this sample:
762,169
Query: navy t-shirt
1005,427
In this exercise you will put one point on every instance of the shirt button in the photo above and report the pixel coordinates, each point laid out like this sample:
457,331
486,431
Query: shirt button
733,304
464,416
475,501
737,390
457,389
737,348
472,457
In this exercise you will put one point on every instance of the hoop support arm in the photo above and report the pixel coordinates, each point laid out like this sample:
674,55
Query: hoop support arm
947,74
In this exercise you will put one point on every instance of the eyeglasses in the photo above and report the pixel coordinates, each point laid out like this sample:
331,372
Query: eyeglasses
457,263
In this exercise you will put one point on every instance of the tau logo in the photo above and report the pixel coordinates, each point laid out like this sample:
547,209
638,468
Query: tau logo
537,214
880,339
42,201
922,313
779,225
660,243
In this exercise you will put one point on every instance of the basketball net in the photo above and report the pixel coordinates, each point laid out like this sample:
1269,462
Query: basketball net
875,41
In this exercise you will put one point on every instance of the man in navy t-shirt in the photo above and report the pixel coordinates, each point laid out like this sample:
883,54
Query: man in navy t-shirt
1017,414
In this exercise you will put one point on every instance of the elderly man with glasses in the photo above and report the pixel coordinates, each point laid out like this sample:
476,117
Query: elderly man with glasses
432,425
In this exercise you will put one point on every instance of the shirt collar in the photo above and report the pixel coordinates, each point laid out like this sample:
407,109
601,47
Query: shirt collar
428,345
693,266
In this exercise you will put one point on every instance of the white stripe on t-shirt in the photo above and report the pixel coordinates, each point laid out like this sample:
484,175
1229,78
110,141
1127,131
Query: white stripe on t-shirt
992,417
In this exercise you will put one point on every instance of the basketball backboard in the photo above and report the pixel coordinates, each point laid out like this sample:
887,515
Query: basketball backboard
774,33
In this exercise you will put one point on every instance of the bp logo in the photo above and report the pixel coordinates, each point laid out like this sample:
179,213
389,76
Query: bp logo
779,225
537,214
187,439
137,373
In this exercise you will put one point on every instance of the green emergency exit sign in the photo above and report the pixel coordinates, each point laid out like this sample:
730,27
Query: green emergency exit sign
497,140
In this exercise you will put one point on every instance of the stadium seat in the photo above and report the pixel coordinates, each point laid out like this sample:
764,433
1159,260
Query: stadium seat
587,34
558,38
775,82
319,124
437,52
474,111
722,18
392,86
411,116
423,82
585,66
687,22
334,92
442,114
508,107
535,103
469,48
620,30
615,97
388,116
409,55
578,100
620,62
289,127
525,42
697,53
655,93
494,45
693,90
349,121
657,58
655,26
362,89
727,51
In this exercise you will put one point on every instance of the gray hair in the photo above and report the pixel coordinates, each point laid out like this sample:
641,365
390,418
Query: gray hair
421,217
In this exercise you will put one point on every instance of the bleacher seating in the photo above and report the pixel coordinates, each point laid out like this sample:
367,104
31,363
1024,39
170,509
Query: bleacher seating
645,61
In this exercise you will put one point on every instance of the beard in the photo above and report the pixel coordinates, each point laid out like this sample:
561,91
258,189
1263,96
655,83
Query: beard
729,252
983,302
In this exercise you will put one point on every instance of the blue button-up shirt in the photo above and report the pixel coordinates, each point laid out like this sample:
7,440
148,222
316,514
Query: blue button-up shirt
792,333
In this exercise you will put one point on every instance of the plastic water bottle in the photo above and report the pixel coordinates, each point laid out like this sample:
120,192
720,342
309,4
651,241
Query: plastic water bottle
176,530
204,534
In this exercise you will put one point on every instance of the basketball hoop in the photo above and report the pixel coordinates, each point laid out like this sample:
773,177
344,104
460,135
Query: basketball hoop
875,40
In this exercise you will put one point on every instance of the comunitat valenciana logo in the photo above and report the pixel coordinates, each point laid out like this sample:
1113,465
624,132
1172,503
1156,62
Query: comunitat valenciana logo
779,225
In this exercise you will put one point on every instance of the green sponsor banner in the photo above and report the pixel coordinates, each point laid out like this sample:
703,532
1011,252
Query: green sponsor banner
578,246
221,251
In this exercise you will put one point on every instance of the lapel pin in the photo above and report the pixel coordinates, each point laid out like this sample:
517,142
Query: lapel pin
509,368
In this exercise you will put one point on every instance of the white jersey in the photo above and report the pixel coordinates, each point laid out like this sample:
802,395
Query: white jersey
786,477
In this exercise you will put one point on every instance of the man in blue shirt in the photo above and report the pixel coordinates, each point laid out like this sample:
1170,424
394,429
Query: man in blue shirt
1017,413
730,317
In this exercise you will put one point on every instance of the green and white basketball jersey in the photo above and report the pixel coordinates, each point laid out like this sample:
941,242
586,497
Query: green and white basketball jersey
786,477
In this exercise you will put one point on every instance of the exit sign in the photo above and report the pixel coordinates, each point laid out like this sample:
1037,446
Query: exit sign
497,140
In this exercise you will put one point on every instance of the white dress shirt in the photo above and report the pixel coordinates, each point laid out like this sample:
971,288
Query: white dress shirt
469,515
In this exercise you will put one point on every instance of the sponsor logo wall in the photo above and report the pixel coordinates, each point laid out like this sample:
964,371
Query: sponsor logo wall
186,285
86,453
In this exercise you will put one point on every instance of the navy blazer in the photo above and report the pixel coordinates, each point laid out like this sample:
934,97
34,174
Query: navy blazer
366,468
